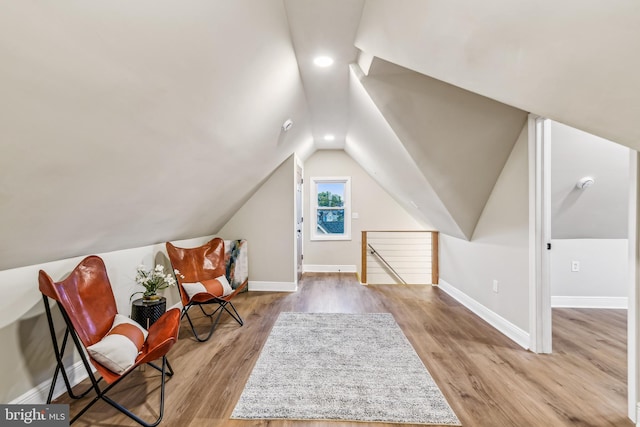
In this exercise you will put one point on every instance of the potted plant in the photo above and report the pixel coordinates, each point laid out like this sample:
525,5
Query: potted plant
153,281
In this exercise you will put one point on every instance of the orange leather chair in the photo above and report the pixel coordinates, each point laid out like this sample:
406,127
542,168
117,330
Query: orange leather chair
89,309
204,264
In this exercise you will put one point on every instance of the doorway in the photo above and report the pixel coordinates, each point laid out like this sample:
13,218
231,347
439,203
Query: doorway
583,236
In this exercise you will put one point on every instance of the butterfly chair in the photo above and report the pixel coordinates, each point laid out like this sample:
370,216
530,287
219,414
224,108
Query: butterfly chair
114,343
202,281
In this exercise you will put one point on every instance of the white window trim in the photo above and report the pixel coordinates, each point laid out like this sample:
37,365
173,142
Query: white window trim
313,207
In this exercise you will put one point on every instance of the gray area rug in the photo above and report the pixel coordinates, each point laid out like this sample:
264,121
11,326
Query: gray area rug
350,367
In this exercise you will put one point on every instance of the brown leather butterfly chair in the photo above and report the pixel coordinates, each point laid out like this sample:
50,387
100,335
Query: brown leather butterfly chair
88,307
203,263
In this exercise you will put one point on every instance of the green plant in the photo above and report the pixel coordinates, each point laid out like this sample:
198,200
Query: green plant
153,280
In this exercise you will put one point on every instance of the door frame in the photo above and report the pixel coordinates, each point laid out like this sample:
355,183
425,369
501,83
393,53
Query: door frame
632,308
298,219
540,325
539,137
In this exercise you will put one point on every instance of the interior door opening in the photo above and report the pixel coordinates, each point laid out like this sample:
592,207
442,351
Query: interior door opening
583,241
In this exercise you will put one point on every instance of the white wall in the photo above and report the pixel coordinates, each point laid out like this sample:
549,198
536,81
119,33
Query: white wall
600,211
589,225
27,353
601,281
267,221
377,210
498,249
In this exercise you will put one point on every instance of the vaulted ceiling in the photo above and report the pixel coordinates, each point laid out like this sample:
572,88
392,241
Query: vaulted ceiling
130,123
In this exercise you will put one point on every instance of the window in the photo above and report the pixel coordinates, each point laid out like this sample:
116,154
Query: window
330,208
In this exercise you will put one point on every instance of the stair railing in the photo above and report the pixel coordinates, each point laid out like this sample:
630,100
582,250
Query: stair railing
381,258
411,256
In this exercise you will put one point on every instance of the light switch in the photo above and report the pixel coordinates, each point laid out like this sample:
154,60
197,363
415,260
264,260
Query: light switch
575,266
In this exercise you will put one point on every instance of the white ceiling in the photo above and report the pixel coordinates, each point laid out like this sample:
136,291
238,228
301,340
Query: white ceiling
319,28
575,61
130,123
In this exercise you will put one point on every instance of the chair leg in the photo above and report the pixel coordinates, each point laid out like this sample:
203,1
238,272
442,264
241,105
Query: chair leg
221,307
59,353
101,394
158,368
193,328
131,414
166,370
207,314
236,317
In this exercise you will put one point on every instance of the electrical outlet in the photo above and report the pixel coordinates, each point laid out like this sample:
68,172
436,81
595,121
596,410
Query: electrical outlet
495,286
575,266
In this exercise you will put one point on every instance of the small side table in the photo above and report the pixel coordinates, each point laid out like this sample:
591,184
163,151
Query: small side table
147,312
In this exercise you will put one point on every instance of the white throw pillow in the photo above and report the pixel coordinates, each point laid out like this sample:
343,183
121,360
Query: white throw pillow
193,288
225,285
118,350
198,287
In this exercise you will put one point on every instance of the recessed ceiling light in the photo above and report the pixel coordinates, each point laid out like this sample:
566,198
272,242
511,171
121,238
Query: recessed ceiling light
329,137
323,61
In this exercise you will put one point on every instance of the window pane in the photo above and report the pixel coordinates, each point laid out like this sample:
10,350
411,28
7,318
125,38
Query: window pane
331,194
330,221
330,208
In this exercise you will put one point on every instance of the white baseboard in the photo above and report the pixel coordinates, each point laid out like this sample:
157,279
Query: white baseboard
312,268
590,302
512,331
272,286
38,394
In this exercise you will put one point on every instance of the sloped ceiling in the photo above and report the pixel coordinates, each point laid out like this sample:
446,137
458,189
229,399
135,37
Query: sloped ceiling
375,146
600,211
125,124
459,140
325,28
574,61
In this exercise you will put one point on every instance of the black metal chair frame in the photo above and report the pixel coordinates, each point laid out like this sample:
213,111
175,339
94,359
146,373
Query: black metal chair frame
222,307
166,370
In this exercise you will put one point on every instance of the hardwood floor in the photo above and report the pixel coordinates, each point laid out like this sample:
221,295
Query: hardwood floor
487,379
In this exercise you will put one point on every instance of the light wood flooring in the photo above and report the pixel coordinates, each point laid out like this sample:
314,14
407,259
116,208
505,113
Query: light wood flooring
487,379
